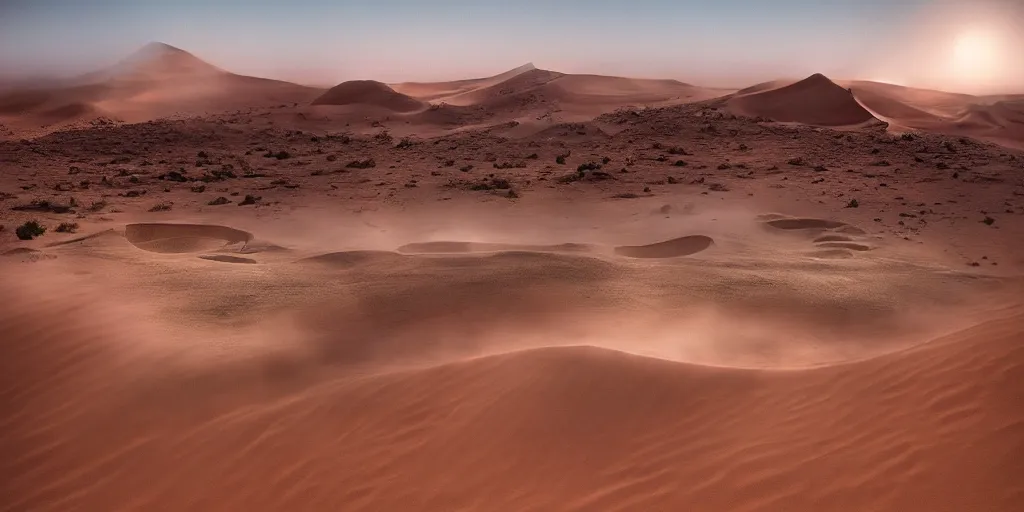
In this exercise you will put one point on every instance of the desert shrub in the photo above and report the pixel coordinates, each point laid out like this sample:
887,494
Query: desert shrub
67,227
29,230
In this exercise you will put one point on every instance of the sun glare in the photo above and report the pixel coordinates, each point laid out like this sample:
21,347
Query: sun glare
975,58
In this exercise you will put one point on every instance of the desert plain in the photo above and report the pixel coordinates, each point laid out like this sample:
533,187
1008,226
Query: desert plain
530,291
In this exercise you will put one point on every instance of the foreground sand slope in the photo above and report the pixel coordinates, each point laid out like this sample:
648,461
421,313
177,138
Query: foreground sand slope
937,427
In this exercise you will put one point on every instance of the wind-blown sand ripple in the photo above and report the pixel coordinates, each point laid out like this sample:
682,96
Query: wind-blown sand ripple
345,259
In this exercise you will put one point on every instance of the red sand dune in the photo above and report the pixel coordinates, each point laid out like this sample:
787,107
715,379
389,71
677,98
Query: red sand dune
496,92
936,103
997,118
152,62
428,91
156,81
368,92
815,100
937,427
160,81
527,87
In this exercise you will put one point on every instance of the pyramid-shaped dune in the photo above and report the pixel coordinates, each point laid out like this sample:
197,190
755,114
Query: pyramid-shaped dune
815,100
370,93
157,80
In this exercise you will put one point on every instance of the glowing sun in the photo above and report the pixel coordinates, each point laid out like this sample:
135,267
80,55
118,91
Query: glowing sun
975,57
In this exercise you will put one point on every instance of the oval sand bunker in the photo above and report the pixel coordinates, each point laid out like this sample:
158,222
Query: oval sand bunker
183,238
676,247
805,224
452,247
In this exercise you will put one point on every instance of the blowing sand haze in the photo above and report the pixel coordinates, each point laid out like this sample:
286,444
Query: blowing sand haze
438,279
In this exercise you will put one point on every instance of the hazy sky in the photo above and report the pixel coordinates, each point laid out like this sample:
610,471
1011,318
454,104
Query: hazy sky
715,43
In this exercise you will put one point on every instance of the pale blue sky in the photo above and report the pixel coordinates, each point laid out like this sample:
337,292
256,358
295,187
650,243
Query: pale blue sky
725,42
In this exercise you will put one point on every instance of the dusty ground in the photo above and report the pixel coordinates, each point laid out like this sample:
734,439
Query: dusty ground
486,308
